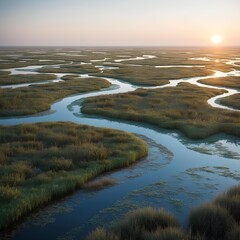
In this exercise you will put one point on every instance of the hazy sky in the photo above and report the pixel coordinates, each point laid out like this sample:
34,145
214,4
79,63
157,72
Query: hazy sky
118,22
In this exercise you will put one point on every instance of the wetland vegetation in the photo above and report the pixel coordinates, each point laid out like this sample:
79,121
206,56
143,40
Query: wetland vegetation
231,101
40,162
73,68
6,79
229,82
215,220
183,108
38,98
151,76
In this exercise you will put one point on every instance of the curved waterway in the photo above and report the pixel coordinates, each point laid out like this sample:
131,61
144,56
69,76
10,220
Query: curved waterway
177,174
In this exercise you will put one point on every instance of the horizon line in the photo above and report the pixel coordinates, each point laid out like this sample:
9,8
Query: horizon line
119,46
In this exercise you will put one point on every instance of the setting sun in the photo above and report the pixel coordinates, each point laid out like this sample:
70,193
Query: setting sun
216,39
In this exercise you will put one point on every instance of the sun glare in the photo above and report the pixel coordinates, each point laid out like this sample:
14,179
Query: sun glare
216,39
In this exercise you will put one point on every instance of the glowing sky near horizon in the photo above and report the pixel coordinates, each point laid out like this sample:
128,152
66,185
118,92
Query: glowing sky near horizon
119,22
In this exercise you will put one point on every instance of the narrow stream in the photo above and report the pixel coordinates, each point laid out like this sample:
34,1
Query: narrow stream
177,174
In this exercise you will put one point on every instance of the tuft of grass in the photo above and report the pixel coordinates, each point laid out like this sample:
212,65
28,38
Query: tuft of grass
101,234
231,202
99,184
234,191
210,221
8,193
169,233
143,220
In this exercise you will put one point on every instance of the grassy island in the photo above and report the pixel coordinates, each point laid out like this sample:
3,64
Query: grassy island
183,108
6,79
38,98
151,76
42,162
228,82
231,101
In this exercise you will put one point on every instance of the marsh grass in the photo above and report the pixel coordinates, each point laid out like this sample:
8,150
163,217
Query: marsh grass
38,98
210,221
6,79
99,184
102,234
231,202
234,234
170,233
138,222
141,224
34,61
229,82
206,222
218,219
183,108
42,162
231,101
73,68
151,76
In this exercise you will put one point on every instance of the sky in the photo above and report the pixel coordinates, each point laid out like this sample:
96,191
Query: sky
118,22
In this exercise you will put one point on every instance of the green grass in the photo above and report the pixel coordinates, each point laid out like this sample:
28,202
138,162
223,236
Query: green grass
183,108
6,79
41,162
38,98
150,76
73,68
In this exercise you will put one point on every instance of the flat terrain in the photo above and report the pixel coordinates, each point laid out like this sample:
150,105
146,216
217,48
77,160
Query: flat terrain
151,76
231,101
6,79
183,108
229,82
38,98
143,67
40,162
